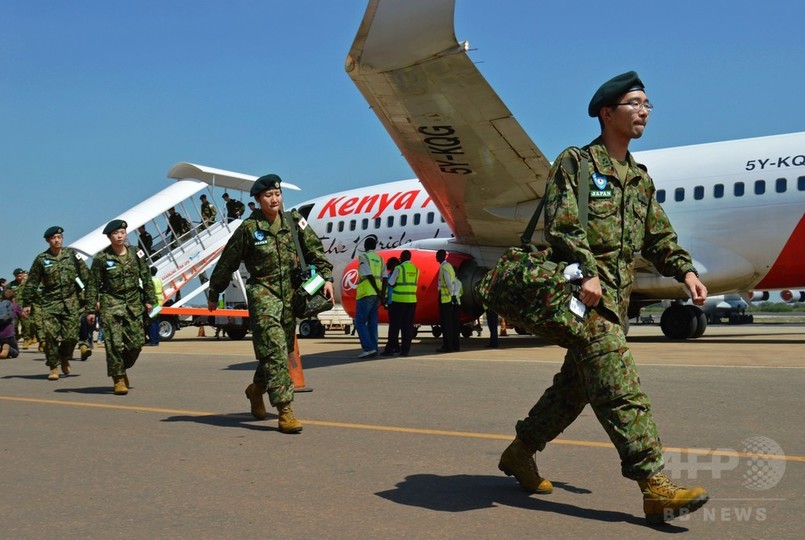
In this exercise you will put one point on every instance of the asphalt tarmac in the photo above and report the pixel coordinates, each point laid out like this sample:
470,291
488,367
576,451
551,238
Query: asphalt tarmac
394,447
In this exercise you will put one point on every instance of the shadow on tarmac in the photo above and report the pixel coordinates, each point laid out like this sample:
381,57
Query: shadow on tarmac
231,420
463,493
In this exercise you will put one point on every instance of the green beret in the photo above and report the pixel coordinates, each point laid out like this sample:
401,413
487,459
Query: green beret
53,230
612,90
114,225
269,181
18,271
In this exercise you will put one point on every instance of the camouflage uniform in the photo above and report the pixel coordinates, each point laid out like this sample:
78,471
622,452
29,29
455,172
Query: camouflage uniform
208,214
624,219
269,253
60,300
26,329
122,285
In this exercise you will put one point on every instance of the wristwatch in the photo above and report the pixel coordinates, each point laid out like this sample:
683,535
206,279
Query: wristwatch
693,270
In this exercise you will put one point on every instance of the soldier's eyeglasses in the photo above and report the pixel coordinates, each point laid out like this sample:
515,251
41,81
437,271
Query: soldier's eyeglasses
637,105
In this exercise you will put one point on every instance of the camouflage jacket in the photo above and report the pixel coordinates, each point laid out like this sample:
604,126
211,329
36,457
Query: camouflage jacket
624,218
121,284
52,282
208,213
269,253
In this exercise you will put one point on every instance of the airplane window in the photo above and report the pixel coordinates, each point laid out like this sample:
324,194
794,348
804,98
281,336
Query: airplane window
679,194
390,222
760,187
430,218
416,219
660,196
403,220
352,225
329,227
378,221
781,185
739,189
340,226
364,223
718,191
698,193
801,183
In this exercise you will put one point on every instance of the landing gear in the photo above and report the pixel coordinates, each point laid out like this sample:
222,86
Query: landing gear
311,328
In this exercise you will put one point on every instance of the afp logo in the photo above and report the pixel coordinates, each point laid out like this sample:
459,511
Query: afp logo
350,280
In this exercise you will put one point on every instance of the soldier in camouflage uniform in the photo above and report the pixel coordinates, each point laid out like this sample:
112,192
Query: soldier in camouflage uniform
208,212
624,219
121,291
62,275
25,332
263,242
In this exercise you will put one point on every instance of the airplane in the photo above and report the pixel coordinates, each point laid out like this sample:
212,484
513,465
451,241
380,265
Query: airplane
737,206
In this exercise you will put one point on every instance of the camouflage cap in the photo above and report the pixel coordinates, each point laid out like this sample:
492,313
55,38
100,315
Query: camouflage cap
269,181
114,225
611,91
53,230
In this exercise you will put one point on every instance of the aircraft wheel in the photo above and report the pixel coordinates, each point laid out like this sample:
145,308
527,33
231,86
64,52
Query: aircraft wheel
701,321
236,332
436,331
306,329
677,322
466,331
166,330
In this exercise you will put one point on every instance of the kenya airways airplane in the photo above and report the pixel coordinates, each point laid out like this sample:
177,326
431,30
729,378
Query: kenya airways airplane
737,206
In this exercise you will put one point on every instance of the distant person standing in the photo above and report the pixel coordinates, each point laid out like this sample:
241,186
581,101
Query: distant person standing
10,311
252,207
62,275
26,327
145,240
404,281
208,212
121,291
449,303
153,323
178,226
234,209
371,279
393,338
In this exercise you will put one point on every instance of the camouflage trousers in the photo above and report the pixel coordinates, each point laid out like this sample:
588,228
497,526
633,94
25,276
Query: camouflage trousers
603,374
273,327
60,335
123,339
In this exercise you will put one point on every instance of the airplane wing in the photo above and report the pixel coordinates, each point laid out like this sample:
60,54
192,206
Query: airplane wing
481,169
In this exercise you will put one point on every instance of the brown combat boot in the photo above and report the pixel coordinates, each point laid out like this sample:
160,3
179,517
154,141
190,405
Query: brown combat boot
54,374
518,461
663,500
120,385
65,367
26,343
255,395
287,421
86,352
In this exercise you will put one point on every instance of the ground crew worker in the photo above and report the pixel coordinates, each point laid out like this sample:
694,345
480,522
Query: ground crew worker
371,285
624,219
121,291
263,242
208,212
62,275
449,304
405,280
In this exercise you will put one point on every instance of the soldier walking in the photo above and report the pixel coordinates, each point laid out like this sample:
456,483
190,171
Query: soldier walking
56,281
624,219
121,291
263,242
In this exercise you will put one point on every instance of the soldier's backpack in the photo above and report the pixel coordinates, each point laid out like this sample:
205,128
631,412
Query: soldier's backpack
529,289
6,311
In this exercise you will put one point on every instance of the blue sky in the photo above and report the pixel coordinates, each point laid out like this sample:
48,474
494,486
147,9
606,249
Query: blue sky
98,99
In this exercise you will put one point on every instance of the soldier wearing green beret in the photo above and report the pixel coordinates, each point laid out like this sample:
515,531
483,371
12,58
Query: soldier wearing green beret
263,242
56,282
121,290
26,333
624,219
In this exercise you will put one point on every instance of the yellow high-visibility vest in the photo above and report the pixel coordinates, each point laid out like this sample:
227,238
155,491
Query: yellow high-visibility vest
364,286
405,287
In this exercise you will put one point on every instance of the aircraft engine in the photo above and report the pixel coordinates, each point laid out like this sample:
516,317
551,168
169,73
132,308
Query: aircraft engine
792,297
427,307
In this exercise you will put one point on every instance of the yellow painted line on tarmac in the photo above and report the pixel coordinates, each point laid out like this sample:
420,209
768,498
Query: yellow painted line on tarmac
418,431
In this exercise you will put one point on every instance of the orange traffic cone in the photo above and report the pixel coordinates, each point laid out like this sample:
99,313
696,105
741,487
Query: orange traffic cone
502,327
295,369
201,331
